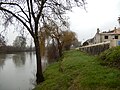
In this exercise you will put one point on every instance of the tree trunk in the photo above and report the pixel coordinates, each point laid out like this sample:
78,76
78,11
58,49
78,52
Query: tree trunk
59,48
39,75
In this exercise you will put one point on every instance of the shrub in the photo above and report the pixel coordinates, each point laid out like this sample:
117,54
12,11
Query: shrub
111,56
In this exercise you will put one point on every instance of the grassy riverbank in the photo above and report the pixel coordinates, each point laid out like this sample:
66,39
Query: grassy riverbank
80,72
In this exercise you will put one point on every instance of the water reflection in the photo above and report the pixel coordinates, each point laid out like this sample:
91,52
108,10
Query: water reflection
18,71
2,60
19,59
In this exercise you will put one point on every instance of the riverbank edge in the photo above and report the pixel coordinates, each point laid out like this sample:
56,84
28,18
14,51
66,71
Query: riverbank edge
14,52
79,71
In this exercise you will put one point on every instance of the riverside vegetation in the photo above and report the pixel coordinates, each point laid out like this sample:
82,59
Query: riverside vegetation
111,57
80,71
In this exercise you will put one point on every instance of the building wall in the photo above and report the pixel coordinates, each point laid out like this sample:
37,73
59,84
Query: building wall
103,38
99,38
110,37
96,39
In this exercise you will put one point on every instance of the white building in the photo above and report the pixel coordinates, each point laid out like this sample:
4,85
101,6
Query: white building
100,37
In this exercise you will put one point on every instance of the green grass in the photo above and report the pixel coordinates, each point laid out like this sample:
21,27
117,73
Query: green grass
80,72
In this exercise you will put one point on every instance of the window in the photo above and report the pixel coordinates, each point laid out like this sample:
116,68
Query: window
116,37
106,37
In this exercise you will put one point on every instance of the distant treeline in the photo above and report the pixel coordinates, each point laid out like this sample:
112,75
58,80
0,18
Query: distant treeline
11,49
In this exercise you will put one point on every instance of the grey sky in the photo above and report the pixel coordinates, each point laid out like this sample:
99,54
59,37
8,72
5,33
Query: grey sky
102,14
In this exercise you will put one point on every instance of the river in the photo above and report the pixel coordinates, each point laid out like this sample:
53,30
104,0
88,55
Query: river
18,71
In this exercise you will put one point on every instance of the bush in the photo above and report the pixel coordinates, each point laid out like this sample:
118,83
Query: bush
52,53
111,56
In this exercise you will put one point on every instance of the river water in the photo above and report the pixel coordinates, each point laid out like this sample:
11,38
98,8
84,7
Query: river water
18,71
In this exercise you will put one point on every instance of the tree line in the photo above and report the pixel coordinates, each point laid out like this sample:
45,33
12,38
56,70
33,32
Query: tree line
19,45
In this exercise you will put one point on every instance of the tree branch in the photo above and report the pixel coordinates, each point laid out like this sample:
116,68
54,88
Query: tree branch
22,17
41,8
30,19
1,3
3,9
32,12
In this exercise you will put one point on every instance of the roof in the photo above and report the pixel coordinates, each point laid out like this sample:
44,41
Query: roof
112,32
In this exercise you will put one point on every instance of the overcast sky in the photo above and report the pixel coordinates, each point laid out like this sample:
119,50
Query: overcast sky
102,14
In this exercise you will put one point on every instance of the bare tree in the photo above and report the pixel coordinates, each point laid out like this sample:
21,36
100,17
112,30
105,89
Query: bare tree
32,14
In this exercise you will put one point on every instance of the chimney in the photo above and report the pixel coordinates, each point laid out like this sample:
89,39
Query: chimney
119,20
115,29
98,30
